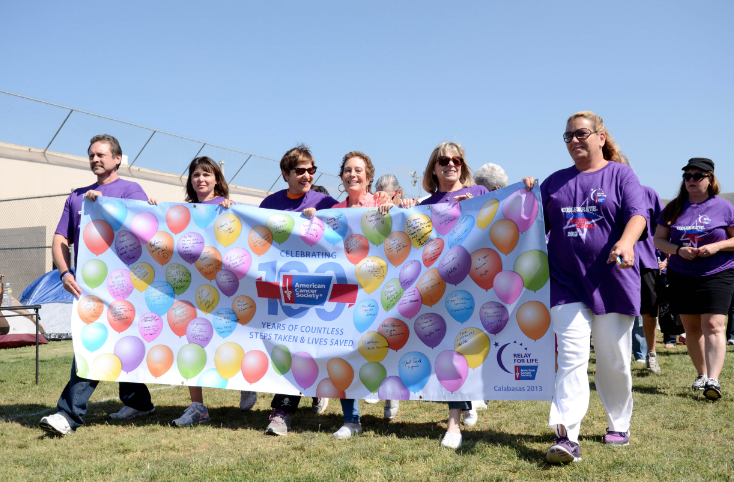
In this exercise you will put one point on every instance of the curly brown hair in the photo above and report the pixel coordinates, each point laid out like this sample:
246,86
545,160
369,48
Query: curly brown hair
369,168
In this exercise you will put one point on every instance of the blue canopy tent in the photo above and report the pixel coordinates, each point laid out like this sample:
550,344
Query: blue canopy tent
48,291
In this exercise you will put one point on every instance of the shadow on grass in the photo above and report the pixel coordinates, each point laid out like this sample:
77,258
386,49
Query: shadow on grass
22,412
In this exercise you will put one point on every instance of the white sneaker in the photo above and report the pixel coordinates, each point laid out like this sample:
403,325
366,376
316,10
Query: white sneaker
247,400
127,413
391,409
371,400
56,424
479,405
470,417
451,440
346,431
318,405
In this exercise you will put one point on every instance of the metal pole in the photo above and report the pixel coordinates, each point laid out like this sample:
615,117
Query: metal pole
276,180
141,150
38,318
320,174
238,170
59,130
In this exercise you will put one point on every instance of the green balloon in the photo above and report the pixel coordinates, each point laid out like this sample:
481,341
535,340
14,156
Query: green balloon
94,272
191,359
280,225
375,226
391,293
372,374
82,368
281,359
532,266
178,277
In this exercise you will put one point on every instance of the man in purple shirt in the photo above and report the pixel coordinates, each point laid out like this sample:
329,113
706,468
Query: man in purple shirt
105,156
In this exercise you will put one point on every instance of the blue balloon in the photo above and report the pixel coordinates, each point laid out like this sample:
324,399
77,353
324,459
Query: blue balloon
224,321
414,370
460,231
460,305
204,214
114,212
364,314
159,297
335,225
93,336
211,379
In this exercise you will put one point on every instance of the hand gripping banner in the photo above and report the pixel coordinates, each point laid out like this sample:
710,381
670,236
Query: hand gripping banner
442,302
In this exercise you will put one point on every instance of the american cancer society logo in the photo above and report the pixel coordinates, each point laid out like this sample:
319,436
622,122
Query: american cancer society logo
307,290
522,360
598,196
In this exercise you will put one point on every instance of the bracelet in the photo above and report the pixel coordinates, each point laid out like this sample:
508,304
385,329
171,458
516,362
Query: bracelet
65,273
676,251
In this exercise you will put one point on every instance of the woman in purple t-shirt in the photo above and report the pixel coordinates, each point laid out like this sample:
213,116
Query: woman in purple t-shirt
697,230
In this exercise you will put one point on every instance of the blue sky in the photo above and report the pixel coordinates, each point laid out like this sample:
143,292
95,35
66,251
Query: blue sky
392,79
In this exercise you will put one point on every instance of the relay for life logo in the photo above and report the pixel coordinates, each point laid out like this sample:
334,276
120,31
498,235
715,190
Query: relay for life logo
523,363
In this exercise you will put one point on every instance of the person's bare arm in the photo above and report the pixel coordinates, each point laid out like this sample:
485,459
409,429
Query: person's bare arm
62,259
625,247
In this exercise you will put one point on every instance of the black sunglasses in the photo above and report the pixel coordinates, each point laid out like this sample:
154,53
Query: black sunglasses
300,171
696,177
443,161
578,134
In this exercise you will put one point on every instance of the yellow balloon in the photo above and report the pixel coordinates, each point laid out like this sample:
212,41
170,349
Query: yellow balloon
106,367
371,272
142,275
418,227
228,359
473,344
207,298
486,214
373,347
227,228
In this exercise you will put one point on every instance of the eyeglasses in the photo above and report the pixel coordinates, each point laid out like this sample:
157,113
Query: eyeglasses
443,161
300,171
696,177
579,134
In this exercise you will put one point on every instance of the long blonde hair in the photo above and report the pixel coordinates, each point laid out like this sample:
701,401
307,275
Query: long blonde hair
430,181
610,150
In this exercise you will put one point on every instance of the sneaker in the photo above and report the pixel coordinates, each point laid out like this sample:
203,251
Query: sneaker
451,440
127,413
682,339
371,400
640,360
56,424
318,405
479,404
391,409
617,438
699,383
247,400
730,342
563,451
712,391
346,431
652,362
194,414
280,422
470,417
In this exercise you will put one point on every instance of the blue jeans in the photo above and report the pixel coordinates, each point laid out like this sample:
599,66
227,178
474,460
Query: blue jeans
75,397
639,344
460,405
350,407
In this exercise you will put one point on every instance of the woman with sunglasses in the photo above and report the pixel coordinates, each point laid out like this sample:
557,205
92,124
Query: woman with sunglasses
697,230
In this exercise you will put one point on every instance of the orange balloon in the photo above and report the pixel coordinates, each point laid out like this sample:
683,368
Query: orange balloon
260,239
485,264
177,218
340,372
179,316
326,389
120,315
504,235
431,286
160,247
159,360
254,365
356,247
397,247
209,262
395,332
98,236
533,319
90,309
431,251
244,308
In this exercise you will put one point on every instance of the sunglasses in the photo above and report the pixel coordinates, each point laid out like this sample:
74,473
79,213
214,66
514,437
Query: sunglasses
443,161
579,134
300,171
696,177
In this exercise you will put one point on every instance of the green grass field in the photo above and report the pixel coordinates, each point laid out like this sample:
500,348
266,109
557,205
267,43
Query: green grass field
676,435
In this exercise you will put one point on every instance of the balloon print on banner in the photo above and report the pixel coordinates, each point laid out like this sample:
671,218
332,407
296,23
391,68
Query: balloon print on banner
375,226
207,298
106,367
392,388
94,336
522,207
280,226
372,374
432,251
365,313
228,360
199,331
128,247
159,360
190,360
114,212
260,239
485,265
487,213
94,273
451,370
326,389
532,266
455,265
150,326
238,261
98,236
211,379
280,357
391,293
141,276
356,248
120,315
189,247
395,332
178,277
414,369
244,308
533,319
460,305
504,235
373,347
178,219
409,273
90,309
204,214
82,367
119,284
371,272
494,317
209,263
461,231
160,247
305,370
311,231
179,316
224,321
508,286
397,247
445,216
159,297
131,351
430,328
473,344
227,282
335,225
227,229
418,227
340,373
410,304
144,226
431,287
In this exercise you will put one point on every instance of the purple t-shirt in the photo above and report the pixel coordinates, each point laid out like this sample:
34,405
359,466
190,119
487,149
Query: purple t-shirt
586,213
311,199
216,200
444,197
68,225
701,224
645,249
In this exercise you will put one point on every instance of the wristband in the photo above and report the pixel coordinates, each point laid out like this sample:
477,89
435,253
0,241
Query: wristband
676,251
65,273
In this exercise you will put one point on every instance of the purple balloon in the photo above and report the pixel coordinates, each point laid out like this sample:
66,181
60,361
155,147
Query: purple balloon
409,273
238,261
455,265
144,226
304,369
227,282
190,246
444,216
411,302
199,331
392,388
128,247
430,328
119,284
521,207
451,370
507,286
131,351
494,316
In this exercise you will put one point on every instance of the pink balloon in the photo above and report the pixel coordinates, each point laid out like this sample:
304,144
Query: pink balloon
508,286
311,230
411,302
393,388
494,316
150,326
451,370
521,207
238,261
200,331
131,351
455,265
430,329
444,216
144,226
190,246
326,389
227,282
128,247
304,369
119,284
409,273
177,218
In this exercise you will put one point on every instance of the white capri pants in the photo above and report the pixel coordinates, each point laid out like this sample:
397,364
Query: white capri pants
573,324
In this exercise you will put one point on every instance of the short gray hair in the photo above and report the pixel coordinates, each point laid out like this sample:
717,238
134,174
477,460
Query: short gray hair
491,176
387,181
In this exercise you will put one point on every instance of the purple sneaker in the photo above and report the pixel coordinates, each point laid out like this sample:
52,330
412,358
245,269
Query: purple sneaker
617,438
563,451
